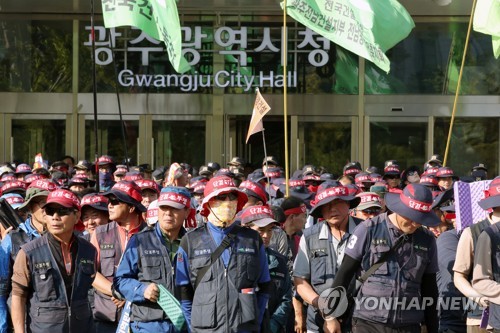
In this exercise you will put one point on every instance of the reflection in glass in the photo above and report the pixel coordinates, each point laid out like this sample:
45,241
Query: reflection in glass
38,136
179,141
110,139
404,142
428,62
327,145
35,56
473,140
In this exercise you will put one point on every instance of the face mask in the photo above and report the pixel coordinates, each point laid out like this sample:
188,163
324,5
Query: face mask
222,213
313,188
104,179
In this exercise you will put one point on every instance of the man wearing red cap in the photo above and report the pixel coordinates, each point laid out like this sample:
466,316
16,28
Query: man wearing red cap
53,274
408,275
149,261
125,213
222,269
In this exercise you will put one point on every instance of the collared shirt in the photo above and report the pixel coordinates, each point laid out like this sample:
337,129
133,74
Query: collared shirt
302,268
172,246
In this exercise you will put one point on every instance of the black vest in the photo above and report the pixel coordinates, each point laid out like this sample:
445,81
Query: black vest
154,267
222,301
50,308
494,233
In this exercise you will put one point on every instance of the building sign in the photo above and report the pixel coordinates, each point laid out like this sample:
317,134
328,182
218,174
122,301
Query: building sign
231,43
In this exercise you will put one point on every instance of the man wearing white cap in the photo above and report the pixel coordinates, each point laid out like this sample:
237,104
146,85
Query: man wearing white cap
369,206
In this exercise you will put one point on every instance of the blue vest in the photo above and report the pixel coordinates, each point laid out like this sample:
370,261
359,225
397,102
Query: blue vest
494,233
155,267
391,282
219,305
50,308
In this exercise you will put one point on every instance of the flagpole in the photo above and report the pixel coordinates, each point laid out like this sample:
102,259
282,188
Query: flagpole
285,85
459,82
265,157
94,82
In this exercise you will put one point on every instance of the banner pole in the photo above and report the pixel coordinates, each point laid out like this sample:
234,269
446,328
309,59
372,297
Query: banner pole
265,159
285,86
459,82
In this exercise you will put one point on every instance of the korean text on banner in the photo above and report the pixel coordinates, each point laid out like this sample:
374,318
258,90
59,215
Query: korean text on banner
157,18
487,21
260,108
367,28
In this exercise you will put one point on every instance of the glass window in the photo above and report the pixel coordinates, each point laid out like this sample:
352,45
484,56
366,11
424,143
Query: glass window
36,56
404,142
428,62
473,140
33,136
327,144
179,141
110,139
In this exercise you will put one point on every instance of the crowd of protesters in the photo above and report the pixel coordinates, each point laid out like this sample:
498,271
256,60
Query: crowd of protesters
109,247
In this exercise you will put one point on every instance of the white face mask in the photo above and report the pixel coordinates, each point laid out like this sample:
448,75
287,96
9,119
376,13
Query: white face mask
222,213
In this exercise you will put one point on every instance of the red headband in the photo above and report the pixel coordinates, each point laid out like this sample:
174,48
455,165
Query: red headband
420,206
297,210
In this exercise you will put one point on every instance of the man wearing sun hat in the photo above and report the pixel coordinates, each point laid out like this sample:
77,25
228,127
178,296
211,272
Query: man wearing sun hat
321,246
261,219
149,261
407,276
54,273
125,213
232,293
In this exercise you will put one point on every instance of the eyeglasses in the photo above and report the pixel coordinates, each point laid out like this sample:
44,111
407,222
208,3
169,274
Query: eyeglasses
231,195
392,177
371,210
114,201
61,211
412,173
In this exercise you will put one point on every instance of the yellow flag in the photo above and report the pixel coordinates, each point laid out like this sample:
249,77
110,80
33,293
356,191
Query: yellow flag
260,108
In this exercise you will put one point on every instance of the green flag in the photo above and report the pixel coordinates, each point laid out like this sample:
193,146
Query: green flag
158,18
171,307
367,28
487,21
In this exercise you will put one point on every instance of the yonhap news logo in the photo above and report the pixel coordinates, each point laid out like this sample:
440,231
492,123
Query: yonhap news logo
333,302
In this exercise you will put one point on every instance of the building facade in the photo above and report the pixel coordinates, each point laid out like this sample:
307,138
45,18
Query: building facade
340,107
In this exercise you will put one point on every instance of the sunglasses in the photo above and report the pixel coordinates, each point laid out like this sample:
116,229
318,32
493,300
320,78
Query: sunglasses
114,201
371,210
231,195
392,177
61,211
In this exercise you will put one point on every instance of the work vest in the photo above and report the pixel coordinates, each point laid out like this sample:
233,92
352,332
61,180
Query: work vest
154,267
323,267
225,299
278,271
50,308
494,233
391,283
476,229
111,251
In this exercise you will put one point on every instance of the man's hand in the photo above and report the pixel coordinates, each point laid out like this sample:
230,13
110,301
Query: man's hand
3,231
119,304
152,293
300,323
331,326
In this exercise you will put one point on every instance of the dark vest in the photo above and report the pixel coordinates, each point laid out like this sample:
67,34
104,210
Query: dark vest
494,233
220,303
110,254
391,283
323,266
50,308
476,229
154,267
278,271
18,238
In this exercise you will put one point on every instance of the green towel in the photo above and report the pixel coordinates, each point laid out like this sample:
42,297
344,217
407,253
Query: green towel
171,307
